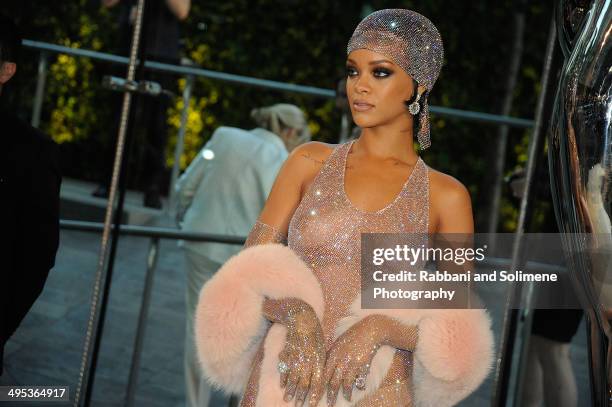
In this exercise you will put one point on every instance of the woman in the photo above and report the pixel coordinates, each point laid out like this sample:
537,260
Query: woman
292,315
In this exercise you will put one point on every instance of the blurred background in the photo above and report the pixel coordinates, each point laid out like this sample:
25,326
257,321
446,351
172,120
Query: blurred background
302,43
484,104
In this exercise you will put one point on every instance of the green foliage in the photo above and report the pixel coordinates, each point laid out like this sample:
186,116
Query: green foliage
197,121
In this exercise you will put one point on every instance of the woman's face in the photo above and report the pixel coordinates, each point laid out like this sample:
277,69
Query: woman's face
376,88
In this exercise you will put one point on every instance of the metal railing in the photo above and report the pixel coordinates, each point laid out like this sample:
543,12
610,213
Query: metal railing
46,48
155,234
192,72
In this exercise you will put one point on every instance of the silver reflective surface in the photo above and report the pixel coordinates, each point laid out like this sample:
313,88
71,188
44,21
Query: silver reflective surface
580,148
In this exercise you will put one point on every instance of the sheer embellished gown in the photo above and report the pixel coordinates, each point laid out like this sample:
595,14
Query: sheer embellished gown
325,232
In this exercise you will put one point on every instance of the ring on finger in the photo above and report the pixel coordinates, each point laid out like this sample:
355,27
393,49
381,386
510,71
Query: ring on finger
360,382
283,367
360,379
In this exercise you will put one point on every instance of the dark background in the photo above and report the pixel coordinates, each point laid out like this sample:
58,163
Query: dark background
296,41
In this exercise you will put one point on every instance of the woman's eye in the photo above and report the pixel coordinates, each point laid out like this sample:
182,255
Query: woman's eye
351,71
381,73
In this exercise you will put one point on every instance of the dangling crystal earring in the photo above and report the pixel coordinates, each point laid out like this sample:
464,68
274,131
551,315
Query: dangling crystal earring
424,141
414,108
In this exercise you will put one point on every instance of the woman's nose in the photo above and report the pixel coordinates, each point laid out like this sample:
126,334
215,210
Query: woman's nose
362,84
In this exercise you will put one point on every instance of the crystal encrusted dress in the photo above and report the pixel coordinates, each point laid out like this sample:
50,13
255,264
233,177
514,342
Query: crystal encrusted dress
325,232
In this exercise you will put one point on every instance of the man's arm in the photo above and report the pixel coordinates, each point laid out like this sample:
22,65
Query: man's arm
180,8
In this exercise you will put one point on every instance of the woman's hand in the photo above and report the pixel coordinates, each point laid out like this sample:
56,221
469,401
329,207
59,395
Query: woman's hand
348,361
302,360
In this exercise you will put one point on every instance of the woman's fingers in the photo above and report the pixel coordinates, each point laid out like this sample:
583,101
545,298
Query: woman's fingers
292,382
283,379
283,367
334,386
302,389
330,367
347,384
316,386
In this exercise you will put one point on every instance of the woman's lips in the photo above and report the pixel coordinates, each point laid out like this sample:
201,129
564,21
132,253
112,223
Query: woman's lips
362,106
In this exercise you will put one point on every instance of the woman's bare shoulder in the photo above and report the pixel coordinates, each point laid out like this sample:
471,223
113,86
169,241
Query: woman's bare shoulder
450,203
313,152
446,189
308,158
305,161
295,175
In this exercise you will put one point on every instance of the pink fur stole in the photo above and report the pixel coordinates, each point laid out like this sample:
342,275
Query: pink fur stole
452,358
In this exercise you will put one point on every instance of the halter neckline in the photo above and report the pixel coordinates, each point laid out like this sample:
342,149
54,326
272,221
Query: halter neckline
343,161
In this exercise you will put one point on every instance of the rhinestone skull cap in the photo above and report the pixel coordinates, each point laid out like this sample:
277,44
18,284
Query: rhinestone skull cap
412,42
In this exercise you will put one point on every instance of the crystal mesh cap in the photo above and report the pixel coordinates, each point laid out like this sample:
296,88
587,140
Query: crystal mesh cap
412,42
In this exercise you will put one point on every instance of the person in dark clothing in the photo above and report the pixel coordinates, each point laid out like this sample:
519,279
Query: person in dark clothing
29,202
160,40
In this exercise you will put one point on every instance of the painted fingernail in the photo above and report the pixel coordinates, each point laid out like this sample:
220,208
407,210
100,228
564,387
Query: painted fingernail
347,393
331,400
300,397
314,399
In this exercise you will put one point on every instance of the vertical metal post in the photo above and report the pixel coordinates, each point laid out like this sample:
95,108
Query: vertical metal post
142,322
506,379
41,80
180,143
101,284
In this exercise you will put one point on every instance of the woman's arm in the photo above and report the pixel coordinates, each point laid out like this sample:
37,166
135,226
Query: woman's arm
352,352
273,223
390,331
304,350
286,194
265,282
451,205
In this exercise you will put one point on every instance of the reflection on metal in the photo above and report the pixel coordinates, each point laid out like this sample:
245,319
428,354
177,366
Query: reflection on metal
524,323
92,340
507,379
41,79
149,88
580,151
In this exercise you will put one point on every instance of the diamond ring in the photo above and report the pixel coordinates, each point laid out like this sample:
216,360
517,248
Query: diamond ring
282,367
360,382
